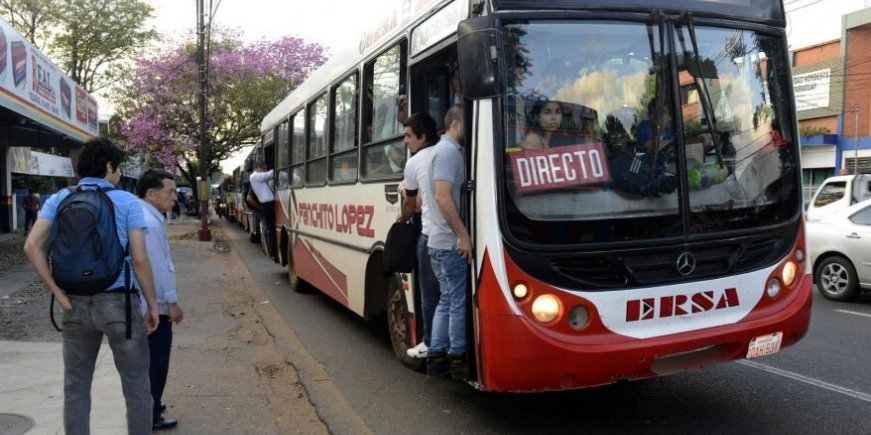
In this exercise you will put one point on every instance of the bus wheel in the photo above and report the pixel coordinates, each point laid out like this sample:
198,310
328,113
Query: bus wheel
296,284
397,323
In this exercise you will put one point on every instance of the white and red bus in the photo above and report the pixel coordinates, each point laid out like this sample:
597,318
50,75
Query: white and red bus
659,228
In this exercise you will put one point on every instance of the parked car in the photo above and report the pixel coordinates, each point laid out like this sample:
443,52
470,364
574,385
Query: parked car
837,193
839,247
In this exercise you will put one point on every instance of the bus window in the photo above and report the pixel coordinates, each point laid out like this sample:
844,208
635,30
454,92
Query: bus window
437,95
297,150
384,108
385,95
317,150
282,155
343,164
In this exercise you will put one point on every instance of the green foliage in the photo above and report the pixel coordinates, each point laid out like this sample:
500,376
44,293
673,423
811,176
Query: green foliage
813,130
34,19
88,39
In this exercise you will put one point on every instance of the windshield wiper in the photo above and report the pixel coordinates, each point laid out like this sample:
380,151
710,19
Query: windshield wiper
657,17
699,79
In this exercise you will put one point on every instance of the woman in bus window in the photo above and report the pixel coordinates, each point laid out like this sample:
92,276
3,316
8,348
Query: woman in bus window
545,119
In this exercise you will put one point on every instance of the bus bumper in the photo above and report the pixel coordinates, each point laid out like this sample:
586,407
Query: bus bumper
516,356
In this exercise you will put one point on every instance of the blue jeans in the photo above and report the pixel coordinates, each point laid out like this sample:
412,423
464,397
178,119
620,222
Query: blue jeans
449,322
429,287
84,325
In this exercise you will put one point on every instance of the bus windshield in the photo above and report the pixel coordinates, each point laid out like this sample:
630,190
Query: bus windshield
604,142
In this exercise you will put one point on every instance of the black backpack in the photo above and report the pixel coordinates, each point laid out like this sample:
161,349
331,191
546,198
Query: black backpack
85,253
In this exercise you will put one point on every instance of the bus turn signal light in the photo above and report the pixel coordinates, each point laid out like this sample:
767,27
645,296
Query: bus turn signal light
788,273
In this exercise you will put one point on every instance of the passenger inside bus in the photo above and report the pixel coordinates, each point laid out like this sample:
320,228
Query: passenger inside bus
550,126
645,130
390,160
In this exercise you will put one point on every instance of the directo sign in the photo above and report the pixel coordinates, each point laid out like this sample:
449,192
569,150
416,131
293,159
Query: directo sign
680,304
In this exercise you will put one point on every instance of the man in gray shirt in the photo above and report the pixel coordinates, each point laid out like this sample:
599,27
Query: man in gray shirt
450,251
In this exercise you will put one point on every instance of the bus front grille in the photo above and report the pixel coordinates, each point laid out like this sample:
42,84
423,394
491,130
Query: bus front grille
658,266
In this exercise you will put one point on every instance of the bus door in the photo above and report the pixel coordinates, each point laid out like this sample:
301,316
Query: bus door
435,89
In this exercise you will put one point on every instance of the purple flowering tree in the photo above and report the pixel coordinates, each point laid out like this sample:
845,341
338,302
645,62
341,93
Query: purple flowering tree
157,112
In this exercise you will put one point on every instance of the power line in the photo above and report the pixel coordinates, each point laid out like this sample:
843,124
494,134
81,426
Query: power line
804,6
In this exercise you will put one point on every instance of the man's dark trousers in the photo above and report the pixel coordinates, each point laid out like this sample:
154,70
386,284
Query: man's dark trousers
268,214
159,343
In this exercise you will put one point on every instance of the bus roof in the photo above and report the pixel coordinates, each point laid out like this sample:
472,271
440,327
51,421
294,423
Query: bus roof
767,11
408,13
402,17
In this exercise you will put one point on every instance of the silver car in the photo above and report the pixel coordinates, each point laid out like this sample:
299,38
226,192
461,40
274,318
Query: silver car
840,252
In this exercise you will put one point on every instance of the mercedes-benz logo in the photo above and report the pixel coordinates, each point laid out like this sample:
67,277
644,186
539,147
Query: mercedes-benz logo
686,263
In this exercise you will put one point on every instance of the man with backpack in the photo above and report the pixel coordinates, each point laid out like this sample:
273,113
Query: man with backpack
82,246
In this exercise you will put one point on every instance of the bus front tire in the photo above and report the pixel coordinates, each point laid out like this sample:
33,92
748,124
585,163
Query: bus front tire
397,324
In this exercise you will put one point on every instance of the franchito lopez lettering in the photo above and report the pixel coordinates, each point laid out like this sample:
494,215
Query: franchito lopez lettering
559,168
346,218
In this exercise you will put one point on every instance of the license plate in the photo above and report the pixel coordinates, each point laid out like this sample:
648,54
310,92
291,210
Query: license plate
764,345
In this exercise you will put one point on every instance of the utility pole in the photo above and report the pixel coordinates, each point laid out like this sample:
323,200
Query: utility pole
204,234
856,141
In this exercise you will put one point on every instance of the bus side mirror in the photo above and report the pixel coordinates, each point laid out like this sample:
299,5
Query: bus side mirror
480,56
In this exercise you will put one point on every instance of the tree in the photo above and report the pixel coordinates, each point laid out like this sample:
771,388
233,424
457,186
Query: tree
88,39
32,18
158,106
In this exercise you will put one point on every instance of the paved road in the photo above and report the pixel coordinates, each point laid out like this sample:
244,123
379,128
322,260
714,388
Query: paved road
818,386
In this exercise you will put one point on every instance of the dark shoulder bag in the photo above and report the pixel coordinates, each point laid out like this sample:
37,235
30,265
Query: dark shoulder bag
252,201
400,248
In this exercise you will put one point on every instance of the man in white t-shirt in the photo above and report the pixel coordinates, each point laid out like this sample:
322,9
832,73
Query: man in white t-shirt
420,134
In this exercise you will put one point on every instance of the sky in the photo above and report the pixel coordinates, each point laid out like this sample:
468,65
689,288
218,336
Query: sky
337,24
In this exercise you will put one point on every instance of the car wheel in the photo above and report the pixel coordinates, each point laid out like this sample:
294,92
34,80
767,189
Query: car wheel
397,323
836,279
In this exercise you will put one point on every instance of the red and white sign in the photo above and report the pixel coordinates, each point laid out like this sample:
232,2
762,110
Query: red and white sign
559,168
38,90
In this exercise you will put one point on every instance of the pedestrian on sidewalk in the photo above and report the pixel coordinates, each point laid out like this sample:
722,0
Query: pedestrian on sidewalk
31,206
86,318
156,191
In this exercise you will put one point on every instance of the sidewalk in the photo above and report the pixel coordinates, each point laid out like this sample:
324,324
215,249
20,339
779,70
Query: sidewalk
227,375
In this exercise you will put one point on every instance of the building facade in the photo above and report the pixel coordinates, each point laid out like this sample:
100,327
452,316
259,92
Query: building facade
832,85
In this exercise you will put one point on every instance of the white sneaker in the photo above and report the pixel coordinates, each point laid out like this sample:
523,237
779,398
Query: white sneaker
419,351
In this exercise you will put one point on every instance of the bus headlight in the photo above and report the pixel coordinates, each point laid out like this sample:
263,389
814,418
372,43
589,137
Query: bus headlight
546,308
773,288
788,273
520,291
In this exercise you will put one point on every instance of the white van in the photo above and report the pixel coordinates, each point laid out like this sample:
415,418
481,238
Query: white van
838,193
